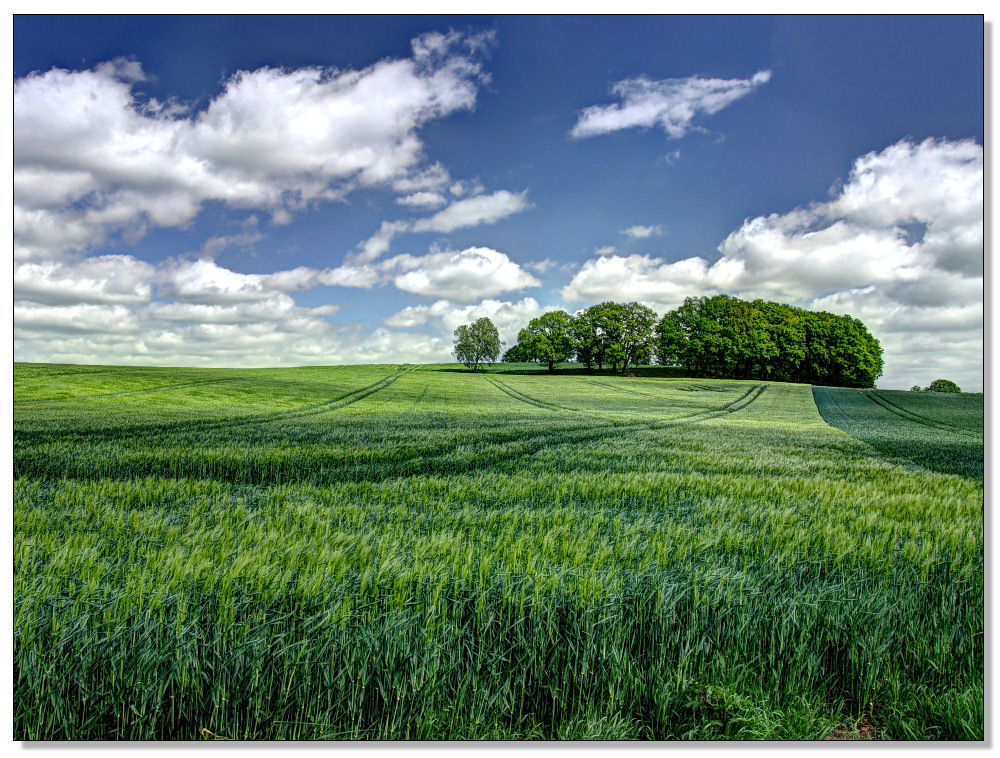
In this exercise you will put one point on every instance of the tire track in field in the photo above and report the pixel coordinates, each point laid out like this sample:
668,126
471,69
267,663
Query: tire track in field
416,402
620,389
738,404
507,448
128,392
335,403
527,398
910,415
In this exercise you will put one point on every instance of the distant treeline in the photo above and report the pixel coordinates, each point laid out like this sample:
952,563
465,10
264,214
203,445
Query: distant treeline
720,336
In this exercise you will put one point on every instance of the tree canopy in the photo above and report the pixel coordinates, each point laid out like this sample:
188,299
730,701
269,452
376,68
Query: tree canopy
720,336
724,336
548,338
478,342
942,385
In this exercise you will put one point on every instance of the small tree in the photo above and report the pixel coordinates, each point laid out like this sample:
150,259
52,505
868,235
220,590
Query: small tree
478,342
915,388
943,385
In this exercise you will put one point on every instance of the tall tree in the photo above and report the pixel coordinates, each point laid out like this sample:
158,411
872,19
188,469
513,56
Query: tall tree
672,341
548,338
587,338
638,322
478,342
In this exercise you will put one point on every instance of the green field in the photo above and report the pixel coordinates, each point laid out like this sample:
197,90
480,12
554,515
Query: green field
419,552
933,430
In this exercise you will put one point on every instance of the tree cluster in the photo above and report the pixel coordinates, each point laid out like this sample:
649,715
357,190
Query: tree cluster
720,336
607,334
724,336
938,385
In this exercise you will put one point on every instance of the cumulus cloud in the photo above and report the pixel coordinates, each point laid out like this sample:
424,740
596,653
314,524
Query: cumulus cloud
204,281
670,104
92,160
642,232
899,245
471,211
102,279
464,276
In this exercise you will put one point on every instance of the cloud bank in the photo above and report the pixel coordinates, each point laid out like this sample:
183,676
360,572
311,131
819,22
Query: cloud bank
93,159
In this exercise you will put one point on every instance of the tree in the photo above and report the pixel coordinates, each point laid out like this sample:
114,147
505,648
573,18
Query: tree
915,388
586,337
477,343
637,334
548,338
515,354
671,341
942,385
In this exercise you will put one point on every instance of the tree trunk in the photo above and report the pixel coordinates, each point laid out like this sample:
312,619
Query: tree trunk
551,371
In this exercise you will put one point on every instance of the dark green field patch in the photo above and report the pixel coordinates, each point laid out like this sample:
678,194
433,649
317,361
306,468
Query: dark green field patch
938,432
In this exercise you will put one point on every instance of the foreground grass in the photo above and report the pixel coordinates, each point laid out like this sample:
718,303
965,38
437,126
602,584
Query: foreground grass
395,552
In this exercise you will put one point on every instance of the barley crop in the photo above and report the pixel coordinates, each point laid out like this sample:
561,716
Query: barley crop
418,552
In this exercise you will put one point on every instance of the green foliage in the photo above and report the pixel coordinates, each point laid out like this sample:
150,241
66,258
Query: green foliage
943,385
516,354
615,334
548,338
477,343
726,337
398,552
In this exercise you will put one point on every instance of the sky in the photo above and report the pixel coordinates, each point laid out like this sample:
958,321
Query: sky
284,191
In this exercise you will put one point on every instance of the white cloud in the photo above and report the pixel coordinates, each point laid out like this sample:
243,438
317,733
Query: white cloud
642,232
473,211
379,243
900,246
423,199
463,277
637,277
671,104
103,279
92,161
433,178
203,281
541,267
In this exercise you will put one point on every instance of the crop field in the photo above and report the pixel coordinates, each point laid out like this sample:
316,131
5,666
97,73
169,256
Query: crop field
937,431
420,552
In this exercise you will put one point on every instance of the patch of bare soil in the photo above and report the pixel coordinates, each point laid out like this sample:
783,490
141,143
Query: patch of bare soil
863,730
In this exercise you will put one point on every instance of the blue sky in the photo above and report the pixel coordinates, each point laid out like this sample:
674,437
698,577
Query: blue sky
246,191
